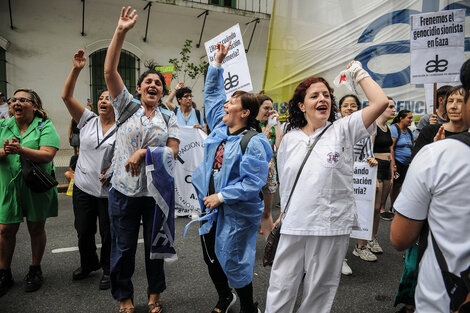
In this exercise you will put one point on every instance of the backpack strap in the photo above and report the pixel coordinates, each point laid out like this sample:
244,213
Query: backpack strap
457,288
90,118
398,131
462,137
246,139
166,115
127,111
199,118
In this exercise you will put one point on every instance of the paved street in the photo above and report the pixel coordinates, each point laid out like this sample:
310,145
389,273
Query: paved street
371,288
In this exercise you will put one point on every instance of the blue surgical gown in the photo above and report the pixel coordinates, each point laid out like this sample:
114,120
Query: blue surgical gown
239,180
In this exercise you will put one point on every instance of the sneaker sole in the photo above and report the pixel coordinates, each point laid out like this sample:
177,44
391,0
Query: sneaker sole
357,254
32,288
231,303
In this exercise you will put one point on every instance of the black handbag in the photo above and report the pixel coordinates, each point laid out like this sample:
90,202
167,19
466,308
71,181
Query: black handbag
35,177
275,234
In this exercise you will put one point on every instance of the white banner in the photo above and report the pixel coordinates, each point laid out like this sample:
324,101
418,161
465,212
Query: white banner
437,46
235,65
374,32
190,154
365,178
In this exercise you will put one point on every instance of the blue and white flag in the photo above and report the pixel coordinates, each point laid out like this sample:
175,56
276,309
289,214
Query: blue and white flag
161,185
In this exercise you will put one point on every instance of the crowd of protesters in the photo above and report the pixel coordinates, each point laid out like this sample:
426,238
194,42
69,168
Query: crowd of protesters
248,156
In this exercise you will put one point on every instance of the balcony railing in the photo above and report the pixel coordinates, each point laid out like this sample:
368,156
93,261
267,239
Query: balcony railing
251,6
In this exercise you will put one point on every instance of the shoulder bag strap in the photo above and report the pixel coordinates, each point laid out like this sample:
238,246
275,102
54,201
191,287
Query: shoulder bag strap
301,167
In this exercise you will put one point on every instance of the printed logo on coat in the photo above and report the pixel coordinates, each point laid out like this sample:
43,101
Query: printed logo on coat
332,157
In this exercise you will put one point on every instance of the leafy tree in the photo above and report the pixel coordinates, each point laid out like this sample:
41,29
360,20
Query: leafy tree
185,68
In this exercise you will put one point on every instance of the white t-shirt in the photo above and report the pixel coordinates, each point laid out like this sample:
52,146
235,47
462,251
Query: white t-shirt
437,187
322,203
4,110
88,171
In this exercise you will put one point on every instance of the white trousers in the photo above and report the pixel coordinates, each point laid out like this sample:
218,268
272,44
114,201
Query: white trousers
320,258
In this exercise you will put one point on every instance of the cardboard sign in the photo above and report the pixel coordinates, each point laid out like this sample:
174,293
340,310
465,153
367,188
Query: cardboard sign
235,65
437,46
365,179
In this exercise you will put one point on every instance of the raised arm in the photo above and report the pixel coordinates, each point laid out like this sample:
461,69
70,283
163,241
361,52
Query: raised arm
169,100
114,82
72,104
378,101
214,91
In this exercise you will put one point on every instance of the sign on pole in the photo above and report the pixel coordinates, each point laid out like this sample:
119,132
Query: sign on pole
235,65
437,46
365,179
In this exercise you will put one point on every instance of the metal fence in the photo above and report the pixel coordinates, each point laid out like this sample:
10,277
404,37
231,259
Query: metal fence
255,6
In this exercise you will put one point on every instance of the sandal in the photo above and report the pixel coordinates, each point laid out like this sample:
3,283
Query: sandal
153,306
128,310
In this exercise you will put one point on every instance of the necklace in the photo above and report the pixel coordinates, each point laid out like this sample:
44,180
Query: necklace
383,128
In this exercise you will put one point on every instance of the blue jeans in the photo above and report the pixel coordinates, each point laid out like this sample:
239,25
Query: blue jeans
125,214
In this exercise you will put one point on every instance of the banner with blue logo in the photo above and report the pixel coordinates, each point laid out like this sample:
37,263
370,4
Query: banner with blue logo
319,38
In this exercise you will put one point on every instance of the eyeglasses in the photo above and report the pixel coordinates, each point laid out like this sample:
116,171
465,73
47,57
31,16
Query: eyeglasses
351,106
187,96
21,100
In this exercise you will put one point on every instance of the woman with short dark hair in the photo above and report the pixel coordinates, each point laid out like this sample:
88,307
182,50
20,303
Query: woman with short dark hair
401,150
228,184
90,198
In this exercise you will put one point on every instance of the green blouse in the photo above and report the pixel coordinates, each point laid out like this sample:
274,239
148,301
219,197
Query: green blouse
17,201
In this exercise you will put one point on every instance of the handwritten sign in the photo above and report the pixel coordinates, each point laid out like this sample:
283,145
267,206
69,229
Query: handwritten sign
364,181
235,65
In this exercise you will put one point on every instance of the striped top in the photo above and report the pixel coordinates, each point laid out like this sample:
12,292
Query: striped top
363,149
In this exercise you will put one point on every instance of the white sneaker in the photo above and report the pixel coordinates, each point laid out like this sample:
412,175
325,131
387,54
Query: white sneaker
365,254
374,246
194,216
345,269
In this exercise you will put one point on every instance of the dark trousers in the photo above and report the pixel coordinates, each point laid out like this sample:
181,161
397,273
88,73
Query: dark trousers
217,274
125,214
87,209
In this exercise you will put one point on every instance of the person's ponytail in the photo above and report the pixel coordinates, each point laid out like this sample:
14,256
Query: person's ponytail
254,123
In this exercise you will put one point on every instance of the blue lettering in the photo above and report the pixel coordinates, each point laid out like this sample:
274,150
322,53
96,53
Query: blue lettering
283,109
420,107
399,105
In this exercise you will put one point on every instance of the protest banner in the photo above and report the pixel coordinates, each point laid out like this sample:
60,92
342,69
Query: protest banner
235,65
190,155
365,179
376,33
167,72
437,46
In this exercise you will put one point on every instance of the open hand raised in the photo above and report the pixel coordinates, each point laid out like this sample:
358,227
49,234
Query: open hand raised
127,19
79,59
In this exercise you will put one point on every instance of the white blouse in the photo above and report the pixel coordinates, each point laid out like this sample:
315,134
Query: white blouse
322,203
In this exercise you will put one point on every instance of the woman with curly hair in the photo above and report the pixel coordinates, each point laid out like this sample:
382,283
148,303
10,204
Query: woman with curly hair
321,210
